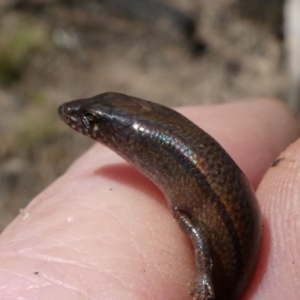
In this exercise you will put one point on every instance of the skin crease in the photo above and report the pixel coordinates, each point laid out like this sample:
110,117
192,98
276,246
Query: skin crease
103,230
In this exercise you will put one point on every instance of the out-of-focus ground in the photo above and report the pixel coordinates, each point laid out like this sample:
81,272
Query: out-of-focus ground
173,52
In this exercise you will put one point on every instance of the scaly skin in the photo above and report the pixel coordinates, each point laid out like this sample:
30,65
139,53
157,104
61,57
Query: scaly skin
207,193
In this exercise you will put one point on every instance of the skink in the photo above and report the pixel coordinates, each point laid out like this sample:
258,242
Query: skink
206,191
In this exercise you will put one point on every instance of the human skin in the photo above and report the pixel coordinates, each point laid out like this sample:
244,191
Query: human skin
103,230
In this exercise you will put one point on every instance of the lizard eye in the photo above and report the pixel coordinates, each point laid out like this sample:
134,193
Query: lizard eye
89,121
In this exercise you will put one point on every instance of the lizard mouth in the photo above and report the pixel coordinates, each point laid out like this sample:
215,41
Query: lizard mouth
69,115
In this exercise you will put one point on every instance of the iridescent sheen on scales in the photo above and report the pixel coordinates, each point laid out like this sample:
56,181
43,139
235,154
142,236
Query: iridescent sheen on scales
206,191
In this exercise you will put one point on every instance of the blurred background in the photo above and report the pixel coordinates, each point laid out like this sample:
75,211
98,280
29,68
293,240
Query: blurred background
176,52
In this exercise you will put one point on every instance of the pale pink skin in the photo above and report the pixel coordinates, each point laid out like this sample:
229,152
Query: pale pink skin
103,231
